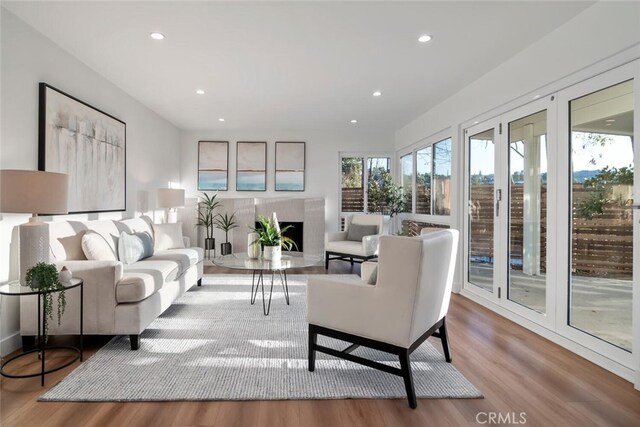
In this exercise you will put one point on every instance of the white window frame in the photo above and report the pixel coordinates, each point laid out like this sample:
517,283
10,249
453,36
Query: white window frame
424,143
365,155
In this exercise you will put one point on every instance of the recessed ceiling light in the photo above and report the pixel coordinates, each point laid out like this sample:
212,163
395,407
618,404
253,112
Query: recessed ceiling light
476,122
424,38
536,97
200,92
377,93
610,120
221,119
157,36
607,124
354,121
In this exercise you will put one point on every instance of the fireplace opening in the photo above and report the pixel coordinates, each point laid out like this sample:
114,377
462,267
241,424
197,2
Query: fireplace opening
295,233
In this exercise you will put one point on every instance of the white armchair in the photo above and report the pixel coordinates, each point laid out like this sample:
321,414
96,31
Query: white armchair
358,242
407,304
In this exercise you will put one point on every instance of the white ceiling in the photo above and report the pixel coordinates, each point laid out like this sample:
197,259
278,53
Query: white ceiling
293,65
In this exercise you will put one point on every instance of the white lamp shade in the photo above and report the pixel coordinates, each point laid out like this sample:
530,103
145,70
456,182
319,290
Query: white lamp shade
170,197
34,192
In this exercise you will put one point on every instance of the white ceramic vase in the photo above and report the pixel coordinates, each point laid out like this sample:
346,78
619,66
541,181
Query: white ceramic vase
272,253
253,246
64,276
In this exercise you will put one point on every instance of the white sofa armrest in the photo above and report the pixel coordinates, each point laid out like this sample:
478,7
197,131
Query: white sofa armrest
370,244
335,237
100,279
187,241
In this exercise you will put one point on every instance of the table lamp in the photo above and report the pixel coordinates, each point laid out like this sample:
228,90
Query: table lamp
34,192
170,199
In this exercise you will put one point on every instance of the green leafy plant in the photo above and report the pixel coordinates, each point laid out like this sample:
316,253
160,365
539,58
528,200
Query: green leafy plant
384,196
270,234
206,214
225,223
601,185
44,277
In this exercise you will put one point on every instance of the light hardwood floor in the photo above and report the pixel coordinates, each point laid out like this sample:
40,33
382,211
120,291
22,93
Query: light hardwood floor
516,370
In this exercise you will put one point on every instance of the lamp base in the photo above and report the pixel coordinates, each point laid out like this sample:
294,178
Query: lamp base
34,246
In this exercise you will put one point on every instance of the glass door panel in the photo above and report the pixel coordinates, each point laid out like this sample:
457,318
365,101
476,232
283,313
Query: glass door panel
601,218
481,157
528,211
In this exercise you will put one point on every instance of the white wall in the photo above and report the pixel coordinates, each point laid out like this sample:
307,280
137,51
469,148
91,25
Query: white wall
322,177
29,58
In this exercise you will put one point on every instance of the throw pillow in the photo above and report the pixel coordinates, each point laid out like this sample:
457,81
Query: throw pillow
373,279
96,248
167,236
356,232
134,247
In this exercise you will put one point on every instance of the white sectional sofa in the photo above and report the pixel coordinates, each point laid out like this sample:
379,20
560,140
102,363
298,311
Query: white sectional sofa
119,299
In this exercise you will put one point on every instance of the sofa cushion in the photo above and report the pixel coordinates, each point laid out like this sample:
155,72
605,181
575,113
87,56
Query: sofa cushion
142,279
167,236
96,247
184,257
134,247
356,232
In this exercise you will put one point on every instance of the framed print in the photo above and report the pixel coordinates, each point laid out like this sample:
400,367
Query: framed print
251,166
87,144
290,163
213,165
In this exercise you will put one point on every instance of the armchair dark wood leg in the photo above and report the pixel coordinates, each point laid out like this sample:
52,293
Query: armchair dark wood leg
351,260
28,342
313,339
200,282
135,341
405,366
326,260
445,340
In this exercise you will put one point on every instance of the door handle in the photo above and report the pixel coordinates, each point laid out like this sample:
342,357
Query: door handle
498,199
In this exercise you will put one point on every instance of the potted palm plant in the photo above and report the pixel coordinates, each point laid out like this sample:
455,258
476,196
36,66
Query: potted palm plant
225,223
271,238
206,216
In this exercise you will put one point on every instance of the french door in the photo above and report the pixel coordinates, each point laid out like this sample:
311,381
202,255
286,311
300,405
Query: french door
507,218
551,230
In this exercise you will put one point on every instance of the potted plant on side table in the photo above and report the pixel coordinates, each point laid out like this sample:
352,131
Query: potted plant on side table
271,238
206,215
225,223
45,278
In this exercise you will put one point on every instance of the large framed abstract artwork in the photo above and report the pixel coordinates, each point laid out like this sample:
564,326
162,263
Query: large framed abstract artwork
213,165
87,144
251,166
290,165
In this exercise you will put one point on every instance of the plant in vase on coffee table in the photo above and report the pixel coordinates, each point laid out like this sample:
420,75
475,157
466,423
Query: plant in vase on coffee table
271,238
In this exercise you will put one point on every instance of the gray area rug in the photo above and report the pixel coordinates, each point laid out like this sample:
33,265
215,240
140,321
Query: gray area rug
211,344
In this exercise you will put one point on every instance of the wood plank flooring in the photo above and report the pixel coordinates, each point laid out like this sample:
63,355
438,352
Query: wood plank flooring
516,370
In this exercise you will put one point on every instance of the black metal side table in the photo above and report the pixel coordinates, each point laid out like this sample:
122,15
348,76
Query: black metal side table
15,289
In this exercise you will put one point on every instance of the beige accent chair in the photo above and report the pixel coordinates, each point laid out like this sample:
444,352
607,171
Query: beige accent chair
407,304
343,246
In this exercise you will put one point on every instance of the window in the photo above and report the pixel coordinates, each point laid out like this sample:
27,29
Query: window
423,180
406,164
441,189
355,181
352,184
433,178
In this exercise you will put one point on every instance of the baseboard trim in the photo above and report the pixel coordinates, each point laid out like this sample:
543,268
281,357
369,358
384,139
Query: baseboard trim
10,344
604,362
